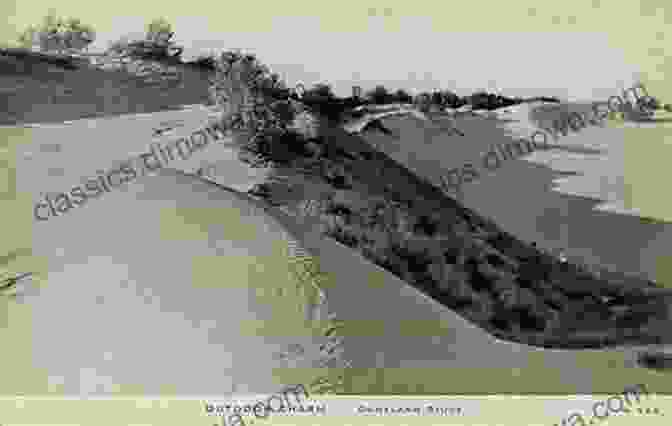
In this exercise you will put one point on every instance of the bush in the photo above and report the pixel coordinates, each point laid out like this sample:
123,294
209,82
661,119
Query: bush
58,34
319,91
206,62
423,101
159,31
149,50
157,44
379,95
649,103
248,94
402,96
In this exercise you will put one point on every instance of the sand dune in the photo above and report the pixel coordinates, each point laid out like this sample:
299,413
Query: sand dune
132,275
53,158
398,338
173,286
193,276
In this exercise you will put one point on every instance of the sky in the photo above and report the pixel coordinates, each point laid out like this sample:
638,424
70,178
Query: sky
574,52
543,64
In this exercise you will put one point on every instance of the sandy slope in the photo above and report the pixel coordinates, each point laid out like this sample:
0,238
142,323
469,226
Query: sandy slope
172,286
415,351
54,157
108,318
122,263
401,341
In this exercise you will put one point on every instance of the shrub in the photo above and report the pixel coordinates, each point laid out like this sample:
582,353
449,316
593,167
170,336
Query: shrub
149,50
157,44
320,90
206,62
402,96
649,103
423,101
251,99
451,99
58,34
379,95
119,46
159,31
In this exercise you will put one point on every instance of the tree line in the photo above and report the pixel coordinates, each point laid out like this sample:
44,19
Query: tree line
322,93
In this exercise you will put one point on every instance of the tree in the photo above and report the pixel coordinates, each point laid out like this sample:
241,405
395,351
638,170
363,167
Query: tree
58,34
322,100
479,100
379,95
403,96
77,35
437,98
156,45
245,89
159,31
450,99
650,103
423,101
240,86
320,91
